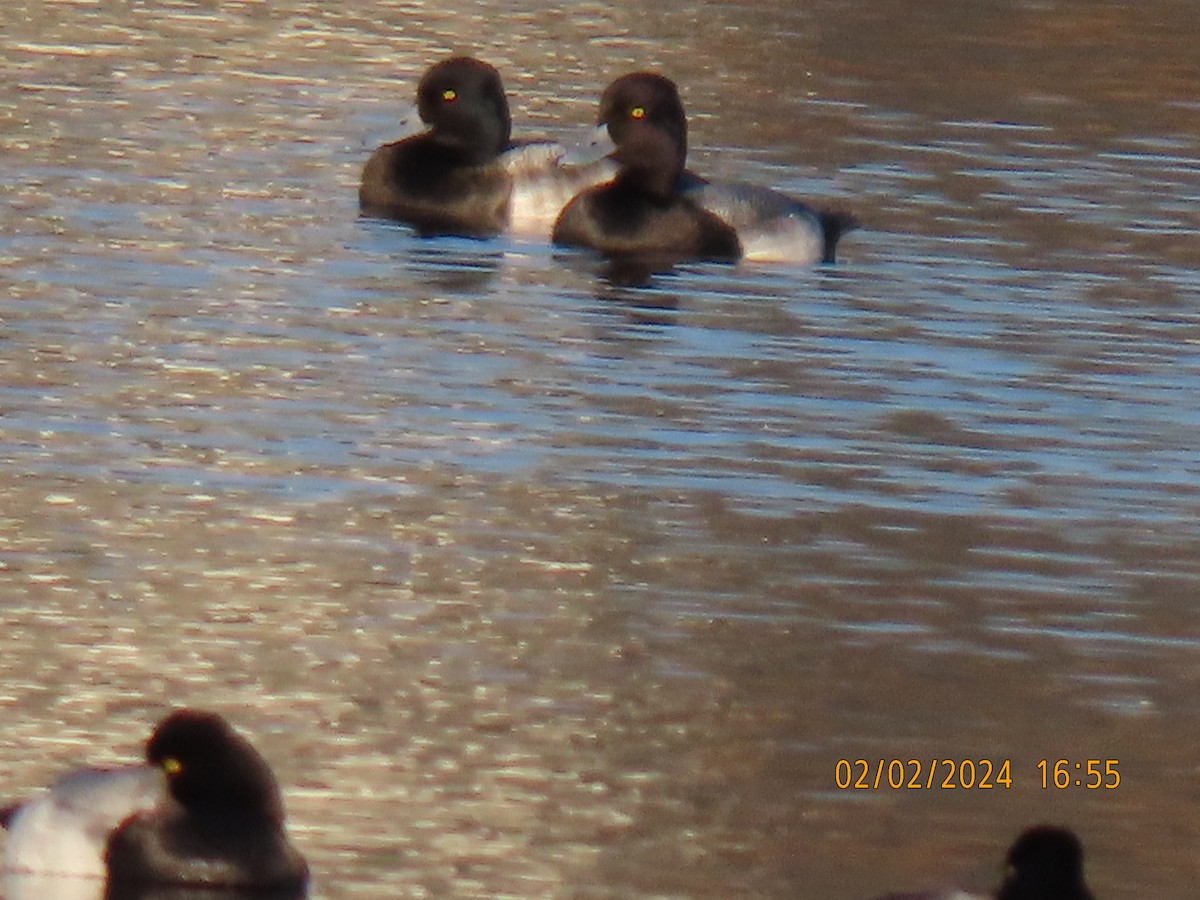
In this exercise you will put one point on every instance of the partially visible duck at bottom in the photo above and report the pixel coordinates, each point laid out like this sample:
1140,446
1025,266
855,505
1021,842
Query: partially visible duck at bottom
656,205
1044,863
464,175
204,811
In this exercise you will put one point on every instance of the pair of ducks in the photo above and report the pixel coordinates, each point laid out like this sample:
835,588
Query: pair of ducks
205,812
465,176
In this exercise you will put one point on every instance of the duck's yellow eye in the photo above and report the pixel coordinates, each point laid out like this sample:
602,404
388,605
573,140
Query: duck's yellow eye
638,112
172,766
449,95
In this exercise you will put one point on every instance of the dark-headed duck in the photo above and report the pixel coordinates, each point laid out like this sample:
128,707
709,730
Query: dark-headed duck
1044,863
464,175
643,212
768,226
204,811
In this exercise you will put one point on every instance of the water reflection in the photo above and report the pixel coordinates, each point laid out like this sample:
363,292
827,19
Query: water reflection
454,265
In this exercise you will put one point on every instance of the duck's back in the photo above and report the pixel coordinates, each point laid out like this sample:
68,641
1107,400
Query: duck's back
771,226
543,184
64,831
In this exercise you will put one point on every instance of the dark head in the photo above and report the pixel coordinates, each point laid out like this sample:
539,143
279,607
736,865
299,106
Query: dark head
645,119
1045,863
644,98
462,100
211,769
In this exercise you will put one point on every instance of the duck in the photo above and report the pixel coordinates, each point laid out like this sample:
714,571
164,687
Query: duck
203,811
642,212
1045,862
464,175
769,226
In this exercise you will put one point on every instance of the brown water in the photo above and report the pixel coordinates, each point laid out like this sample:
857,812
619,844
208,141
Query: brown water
533,586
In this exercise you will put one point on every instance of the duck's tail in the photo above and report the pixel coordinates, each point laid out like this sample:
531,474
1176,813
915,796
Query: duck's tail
835,223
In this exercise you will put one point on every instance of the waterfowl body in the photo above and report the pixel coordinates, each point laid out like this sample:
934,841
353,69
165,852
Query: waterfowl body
203,811
65,831
642,211
464,175
447,179
1044,863
770,226
543,183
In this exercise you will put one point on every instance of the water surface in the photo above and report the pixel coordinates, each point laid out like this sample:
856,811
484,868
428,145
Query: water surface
533,585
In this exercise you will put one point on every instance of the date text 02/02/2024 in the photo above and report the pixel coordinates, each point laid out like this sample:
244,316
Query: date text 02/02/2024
968,774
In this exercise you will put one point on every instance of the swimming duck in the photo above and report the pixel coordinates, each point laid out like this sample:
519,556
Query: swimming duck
769,226
464,175
203,811
642,211
1044,863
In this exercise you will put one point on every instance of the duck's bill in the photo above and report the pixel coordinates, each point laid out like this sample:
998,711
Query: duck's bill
592,147
410,124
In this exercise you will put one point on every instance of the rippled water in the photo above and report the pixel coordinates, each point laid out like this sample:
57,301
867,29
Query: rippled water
533,585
